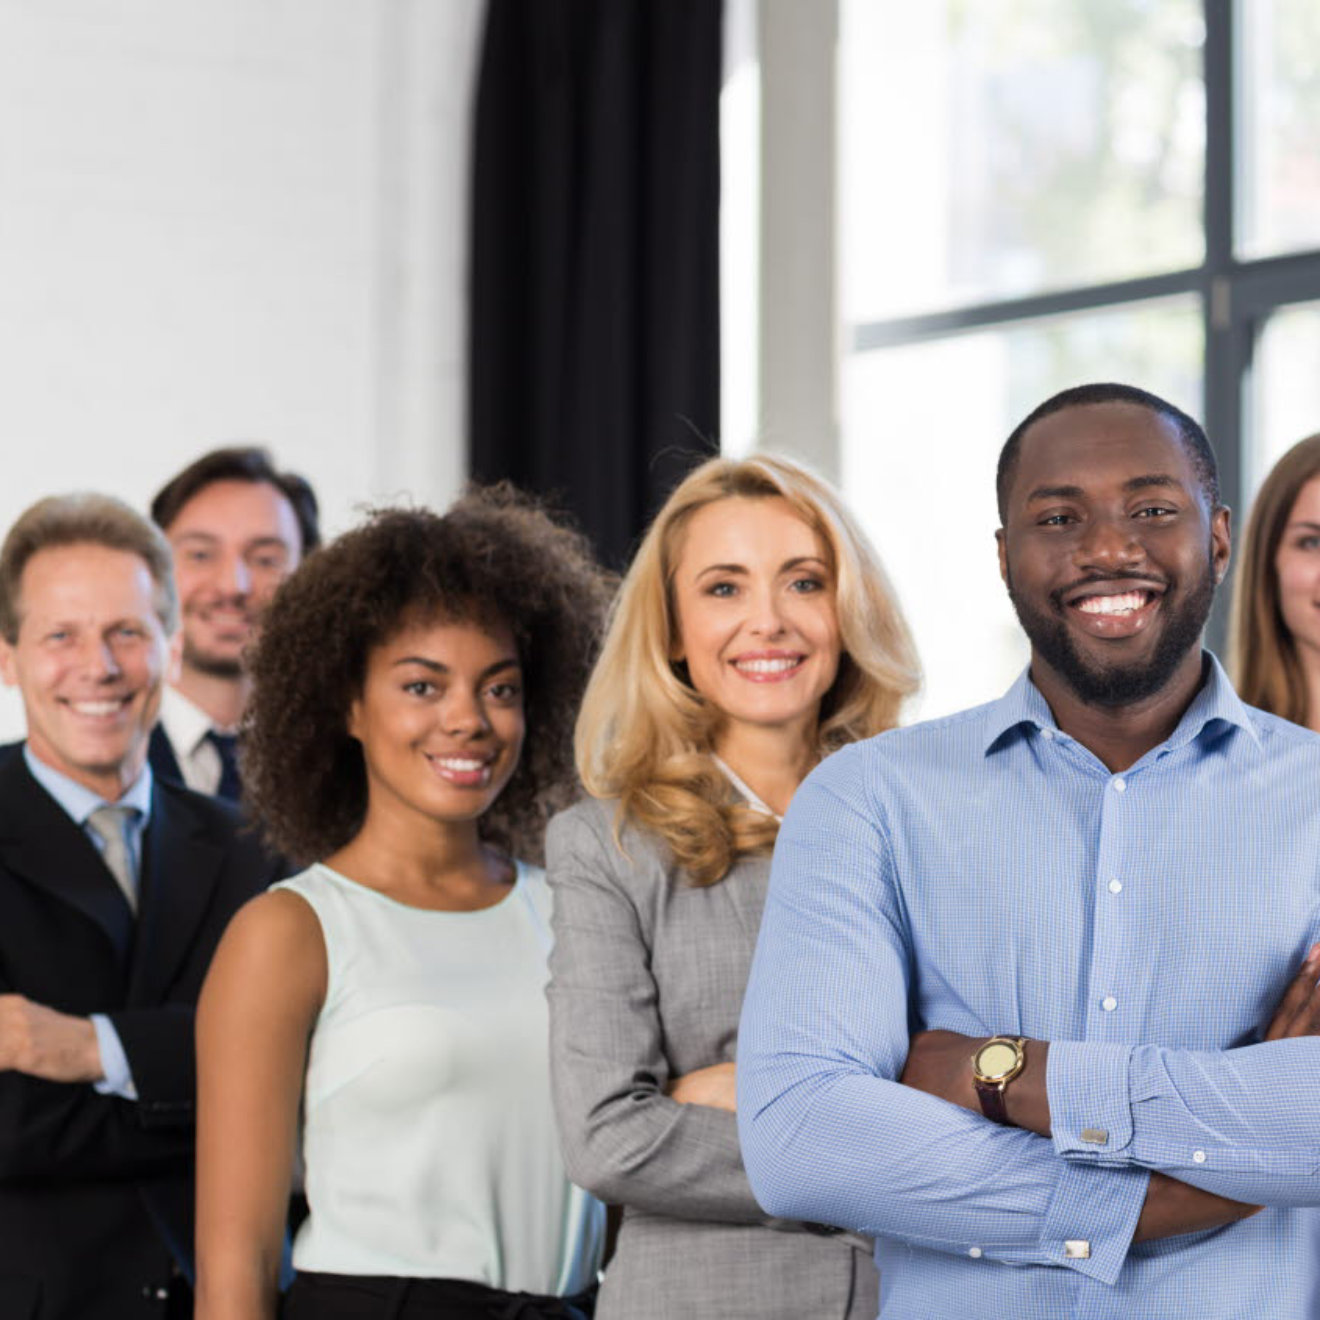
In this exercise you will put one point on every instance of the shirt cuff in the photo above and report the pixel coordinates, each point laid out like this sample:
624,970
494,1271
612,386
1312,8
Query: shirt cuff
1090,1098
116,1076
1092,1218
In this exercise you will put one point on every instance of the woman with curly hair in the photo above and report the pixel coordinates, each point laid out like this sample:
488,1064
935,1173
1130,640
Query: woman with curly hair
408,733
754,633
1274,637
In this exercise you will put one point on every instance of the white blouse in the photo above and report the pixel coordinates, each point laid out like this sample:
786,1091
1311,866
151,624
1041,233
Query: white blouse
428,1135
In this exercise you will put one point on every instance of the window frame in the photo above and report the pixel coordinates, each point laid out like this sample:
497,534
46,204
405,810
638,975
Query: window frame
1236,295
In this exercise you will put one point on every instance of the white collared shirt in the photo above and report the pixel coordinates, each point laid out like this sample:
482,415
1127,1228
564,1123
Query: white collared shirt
186,725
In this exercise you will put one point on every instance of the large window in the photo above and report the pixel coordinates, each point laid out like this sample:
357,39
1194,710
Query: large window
1037,193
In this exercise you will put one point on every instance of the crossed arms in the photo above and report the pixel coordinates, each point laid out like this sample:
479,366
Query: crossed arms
54,1125
831,1132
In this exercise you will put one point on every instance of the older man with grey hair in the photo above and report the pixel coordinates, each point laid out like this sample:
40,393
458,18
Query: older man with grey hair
114,890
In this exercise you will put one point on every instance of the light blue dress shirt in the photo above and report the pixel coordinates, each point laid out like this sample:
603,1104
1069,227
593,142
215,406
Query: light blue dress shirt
985,873
78,803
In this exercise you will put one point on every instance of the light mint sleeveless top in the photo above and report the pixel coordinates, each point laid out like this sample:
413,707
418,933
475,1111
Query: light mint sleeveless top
428,1136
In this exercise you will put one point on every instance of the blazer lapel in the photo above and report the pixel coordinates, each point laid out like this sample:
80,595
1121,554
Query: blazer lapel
745,887
160,752
40,843
180,864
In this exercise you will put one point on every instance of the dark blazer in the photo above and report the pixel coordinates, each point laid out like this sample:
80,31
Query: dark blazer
161,754
96,1191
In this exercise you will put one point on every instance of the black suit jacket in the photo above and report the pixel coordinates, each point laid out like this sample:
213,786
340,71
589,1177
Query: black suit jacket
160,752
96,1191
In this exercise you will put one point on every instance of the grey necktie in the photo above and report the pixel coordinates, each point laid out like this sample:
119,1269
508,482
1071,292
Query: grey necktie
109,823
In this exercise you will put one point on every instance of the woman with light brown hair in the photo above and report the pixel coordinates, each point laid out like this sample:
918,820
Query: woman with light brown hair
754,633
1274,639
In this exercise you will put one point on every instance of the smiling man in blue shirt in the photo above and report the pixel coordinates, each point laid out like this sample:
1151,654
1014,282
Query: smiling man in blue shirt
1116,869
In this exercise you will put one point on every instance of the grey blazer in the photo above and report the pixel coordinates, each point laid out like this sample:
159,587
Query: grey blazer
647,980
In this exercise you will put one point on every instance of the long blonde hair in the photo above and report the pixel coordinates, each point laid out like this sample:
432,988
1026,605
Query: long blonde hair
1262,653
644,733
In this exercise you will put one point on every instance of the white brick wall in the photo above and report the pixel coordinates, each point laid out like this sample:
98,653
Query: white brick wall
233,219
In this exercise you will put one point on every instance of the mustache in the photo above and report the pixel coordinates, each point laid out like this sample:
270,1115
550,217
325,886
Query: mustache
1059,596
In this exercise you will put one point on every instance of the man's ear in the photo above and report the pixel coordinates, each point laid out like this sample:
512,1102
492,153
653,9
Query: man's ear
1221,541
1002,544
8,667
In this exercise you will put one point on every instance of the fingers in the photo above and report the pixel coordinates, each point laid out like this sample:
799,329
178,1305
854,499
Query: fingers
1298,1013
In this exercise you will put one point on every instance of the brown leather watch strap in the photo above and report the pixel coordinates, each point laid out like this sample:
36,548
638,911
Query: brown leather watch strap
991,1096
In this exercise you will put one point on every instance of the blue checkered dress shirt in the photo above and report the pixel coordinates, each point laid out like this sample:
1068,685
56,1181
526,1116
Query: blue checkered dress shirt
985,873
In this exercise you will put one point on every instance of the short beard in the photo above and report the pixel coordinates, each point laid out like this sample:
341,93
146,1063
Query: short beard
213,666
1117,685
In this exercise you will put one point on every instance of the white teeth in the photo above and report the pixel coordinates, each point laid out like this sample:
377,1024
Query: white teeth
463,767
96,707
1125,603
777,666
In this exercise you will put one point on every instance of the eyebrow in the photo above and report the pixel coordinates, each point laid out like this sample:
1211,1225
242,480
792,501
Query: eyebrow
73,622
257,542
786,567
435,667
1146,481
1304,522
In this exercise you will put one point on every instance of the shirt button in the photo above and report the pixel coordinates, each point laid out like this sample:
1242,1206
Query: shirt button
1198,1156
975,1253
1109,1003
1120,784
1047,734
1115,886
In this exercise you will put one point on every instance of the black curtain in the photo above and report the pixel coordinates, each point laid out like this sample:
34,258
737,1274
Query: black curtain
594,345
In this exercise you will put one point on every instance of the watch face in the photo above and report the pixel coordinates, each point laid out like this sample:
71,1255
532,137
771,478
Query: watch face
997,1059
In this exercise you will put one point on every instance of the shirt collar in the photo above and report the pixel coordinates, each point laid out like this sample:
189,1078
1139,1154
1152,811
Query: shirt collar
78,801
741,785
186,723
1023,706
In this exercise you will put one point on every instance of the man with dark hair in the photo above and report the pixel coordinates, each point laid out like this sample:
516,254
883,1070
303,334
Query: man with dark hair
238,527
1035,999
114,889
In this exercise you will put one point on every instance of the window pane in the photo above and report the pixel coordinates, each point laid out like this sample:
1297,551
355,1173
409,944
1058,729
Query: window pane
1008,148
1280,126
1286,388
922,429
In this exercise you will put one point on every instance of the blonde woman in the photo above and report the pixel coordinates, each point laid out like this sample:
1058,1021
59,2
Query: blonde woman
1274,642
754,633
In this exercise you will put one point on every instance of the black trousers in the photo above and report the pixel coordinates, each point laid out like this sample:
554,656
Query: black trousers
369,1297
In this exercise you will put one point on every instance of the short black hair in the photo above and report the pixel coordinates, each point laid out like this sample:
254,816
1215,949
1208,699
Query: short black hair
1190,432
240,463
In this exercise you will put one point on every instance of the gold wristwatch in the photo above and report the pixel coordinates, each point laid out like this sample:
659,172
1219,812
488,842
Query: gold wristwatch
994,1065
